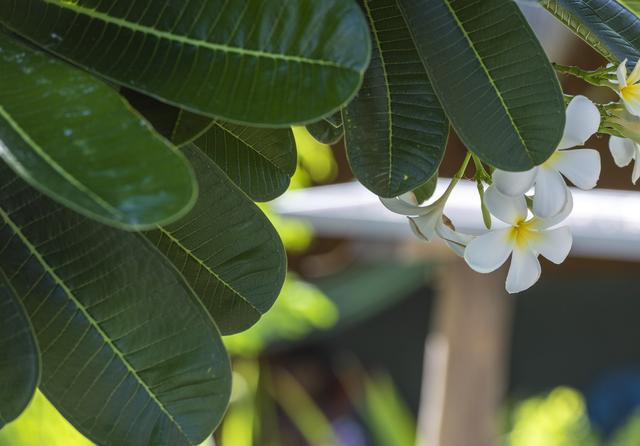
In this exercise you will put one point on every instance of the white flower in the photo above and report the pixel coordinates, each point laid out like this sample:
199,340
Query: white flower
625,150
428,222
523,239
629,88
580,166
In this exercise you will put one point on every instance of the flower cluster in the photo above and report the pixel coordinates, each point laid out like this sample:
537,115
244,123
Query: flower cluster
524,231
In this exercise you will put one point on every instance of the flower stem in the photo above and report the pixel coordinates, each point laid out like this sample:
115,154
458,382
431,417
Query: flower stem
599,77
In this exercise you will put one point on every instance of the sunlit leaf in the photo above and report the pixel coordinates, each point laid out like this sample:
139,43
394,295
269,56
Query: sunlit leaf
273,62
75,139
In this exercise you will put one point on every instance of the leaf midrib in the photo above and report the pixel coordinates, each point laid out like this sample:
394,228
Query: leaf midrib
194,42
49,270
207,268
385,74
252,147
72,180
489,78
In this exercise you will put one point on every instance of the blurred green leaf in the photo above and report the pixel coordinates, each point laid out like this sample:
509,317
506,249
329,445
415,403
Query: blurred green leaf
492,78
316,163
260,161
226,249
395,129
19,355
271,63
129,355
75,139
300,309
41,425
605,25
238,426
426,190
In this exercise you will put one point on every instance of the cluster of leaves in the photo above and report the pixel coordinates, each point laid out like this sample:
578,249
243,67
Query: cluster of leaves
130,244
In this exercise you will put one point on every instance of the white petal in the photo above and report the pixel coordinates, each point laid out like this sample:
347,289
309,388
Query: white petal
583,120
544,223
487,252
553,244
416,230
514,183
632,105
426,224
509,209
636,171
634,77
401,207
622,150
551,193
580,166
524,270
457,241
621,74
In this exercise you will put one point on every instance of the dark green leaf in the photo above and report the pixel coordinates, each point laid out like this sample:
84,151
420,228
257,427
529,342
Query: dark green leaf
395,129
607,26
325,131
426,190
75,139
492,78
273,62
19,356
226,249
129,355
260,161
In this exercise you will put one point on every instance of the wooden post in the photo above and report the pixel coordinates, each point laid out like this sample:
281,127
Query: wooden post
465,359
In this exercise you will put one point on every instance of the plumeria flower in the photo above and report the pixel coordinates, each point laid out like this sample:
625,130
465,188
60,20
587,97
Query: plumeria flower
580,166
629,88
429,222
625,150
524,239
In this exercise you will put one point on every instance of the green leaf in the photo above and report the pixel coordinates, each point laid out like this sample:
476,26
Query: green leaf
260,161
226,249
492,78
395,129
272,63
327,131
75,139
19,356
426,190
605,25
129,355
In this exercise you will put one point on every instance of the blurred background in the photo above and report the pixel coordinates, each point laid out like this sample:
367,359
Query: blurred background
379,339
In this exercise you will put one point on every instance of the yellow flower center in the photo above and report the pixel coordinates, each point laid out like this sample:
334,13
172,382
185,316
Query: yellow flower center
522,232
631,92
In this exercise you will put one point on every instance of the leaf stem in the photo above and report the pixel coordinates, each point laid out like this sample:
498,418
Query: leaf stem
599,77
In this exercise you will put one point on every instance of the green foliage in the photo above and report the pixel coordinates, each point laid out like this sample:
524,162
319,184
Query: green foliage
426,190
304,37
62,130
395,129
476,54
19,357
128,334
606,25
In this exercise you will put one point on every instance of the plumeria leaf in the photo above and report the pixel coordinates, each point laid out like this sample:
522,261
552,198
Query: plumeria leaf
605,25
426,190
129,354
19,356
271,63
328,130
261,161
492,78
226,249
75,139
395,129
